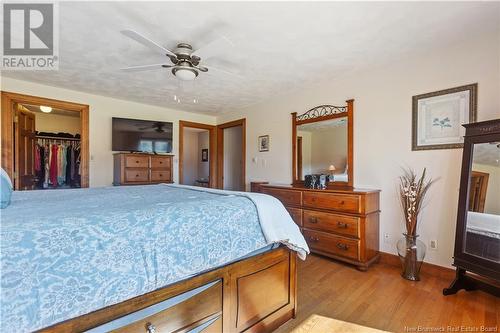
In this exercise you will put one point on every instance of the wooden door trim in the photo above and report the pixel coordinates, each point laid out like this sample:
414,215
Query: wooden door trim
299,156
483,190
8,99
17,157
212,152
220,151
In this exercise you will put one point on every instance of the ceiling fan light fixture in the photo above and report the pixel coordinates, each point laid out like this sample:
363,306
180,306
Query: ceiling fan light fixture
185,74
46,109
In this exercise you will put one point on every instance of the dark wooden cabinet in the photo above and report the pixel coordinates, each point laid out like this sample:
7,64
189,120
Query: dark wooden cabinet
342,224
477,239
141,169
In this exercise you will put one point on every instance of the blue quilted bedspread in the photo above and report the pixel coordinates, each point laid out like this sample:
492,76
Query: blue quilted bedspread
65,253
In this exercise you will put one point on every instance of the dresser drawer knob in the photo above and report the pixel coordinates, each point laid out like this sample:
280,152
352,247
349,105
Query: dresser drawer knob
137,175
313,239
342,225
150,328
313,220
136,161
342,246
342,202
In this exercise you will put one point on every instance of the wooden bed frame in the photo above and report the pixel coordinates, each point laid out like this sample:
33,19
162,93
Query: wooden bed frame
256,294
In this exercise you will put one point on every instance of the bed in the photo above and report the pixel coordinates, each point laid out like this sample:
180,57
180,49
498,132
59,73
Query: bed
483,235
147,259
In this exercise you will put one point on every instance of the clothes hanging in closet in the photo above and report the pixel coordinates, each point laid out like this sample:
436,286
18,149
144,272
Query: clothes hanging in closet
57,163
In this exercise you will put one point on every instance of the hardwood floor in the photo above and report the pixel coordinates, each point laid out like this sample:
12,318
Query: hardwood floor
381,299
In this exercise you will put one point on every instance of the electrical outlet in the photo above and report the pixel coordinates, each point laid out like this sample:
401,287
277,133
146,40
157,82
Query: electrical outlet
433,244
387,238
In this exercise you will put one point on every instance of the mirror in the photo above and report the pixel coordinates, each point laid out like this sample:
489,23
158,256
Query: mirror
322,149
322,145
483,217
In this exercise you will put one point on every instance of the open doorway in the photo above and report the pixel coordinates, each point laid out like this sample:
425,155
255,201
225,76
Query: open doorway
197,154
44,142
231,156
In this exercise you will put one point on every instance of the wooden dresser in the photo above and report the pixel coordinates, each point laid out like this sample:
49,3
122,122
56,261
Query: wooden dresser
342,224
141,169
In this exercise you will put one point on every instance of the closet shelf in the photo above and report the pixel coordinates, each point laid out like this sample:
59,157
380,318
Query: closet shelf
56,138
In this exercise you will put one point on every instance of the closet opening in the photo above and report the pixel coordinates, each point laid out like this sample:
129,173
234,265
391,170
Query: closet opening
46,146
52,161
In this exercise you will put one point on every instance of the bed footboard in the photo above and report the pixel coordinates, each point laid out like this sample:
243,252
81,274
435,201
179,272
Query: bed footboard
256,294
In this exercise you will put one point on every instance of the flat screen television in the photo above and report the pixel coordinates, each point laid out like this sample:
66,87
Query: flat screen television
137,135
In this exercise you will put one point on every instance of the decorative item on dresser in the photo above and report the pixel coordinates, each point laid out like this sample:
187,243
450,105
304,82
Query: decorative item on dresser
339,223
142,169
477,237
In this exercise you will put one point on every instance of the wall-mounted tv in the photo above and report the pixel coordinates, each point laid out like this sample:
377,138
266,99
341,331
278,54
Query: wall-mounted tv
137,135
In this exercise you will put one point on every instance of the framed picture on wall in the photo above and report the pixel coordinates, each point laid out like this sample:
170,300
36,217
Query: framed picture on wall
264,143
438,117
204,155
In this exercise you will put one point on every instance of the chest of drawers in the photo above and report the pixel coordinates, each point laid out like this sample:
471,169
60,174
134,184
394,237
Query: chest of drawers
140,169
341,224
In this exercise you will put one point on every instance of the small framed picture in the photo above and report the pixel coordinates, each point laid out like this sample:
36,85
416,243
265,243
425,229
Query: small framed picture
264,143
438,117
204,155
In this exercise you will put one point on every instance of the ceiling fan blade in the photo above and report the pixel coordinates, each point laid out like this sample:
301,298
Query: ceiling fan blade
147,42
219,69
218,45
144,67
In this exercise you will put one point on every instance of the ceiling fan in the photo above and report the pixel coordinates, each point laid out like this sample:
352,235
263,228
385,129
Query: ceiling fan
184,62
157,126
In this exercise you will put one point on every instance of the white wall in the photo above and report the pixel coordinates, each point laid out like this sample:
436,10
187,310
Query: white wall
102,109
203,143
54,123
232,158
190,158
382,132
492,202
329,147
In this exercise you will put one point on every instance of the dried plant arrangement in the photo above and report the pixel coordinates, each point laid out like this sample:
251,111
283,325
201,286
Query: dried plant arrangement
412,192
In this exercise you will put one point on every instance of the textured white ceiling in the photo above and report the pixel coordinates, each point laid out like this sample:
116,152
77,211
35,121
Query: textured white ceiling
486,153
280,46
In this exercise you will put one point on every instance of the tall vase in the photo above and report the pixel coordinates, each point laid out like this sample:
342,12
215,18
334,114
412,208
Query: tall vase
411,252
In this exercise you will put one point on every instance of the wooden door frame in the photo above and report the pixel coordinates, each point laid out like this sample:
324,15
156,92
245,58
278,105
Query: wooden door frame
9,99
483,190
212,152
220,151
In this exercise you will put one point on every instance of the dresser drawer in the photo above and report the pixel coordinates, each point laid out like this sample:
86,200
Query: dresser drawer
136,175
160,162
341,202
287,197
323,242
160,176
339,224
132,161
296,214
203,309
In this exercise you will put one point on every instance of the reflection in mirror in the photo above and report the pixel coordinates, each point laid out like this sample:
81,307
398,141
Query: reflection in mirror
483,217
322,149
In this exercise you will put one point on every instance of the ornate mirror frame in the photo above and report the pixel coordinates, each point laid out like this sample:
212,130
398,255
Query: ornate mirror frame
321,113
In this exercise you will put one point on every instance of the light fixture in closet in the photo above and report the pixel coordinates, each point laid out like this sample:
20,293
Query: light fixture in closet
46,109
